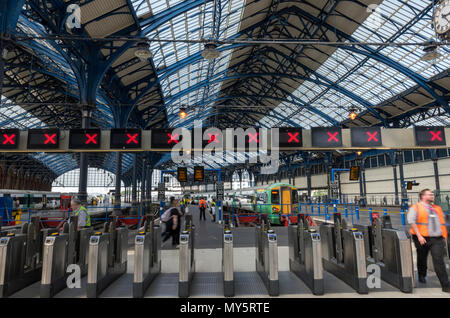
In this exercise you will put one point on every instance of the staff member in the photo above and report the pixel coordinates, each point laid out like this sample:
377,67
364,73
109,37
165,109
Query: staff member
84,219
428,230
202,206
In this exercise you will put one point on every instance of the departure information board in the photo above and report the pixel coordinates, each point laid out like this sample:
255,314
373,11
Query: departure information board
84,138
9,138
366,136
129,138
182,174
430,136
43,139
199,174
326,137
290,137
354,173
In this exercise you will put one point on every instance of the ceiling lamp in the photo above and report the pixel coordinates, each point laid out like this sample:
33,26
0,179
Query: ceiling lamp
183,114
353,113
210,52
431,52
359,153
143,51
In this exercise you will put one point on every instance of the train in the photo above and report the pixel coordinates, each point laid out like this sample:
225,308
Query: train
38,200
277,201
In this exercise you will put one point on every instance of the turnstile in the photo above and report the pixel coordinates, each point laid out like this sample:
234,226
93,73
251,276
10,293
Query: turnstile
147,256
267,257
227,261
60,251
305,255
21,257
186,258
107,257
344,254
390,249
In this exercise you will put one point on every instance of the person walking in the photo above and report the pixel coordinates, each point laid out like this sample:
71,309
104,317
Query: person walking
213,210
84,219
202,206
171,217
428,229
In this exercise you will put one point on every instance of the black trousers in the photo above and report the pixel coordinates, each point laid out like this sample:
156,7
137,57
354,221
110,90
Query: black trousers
175,234
202,213
436,246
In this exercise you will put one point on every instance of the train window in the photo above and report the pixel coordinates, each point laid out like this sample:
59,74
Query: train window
275,196
294,196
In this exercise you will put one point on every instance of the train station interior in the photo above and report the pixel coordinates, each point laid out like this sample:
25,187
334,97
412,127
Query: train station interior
224,149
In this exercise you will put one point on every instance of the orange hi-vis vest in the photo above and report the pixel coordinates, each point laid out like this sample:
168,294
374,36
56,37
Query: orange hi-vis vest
202,204
422,219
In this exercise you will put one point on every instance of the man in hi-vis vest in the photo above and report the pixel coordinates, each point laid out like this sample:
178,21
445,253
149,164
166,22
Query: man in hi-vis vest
84,219
428,231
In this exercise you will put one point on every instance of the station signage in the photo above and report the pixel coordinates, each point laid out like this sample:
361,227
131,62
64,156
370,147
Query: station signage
182,174
129,138
84,139
164,139
9,138
326,137
290,137
43,139
354,173
366,136
430,136
199,174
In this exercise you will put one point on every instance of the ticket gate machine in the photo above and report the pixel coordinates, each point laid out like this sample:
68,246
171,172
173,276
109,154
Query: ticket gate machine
344,253
267,256
147,256
305,254
186,257
61,250
21,256
107,257
227,260
391,250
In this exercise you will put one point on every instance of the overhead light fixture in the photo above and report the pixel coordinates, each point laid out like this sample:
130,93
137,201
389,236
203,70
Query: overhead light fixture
359,153
431,52
210,52
183,114
353,113
143,51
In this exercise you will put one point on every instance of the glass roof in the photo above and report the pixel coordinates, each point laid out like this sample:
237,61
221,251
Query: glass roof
374,82
194,24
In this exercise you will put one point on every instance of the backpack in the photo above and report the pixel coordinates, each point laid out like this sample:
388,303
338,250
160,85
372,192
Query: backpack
166,216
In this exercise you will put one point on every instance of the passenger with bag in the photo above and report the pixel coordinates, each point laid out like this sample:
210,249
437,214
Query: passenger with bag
212,210
171,217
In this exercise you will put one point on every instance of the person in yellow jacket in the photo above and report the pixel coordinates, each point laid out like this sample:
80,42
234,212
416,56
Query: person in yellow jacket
84,219
428,229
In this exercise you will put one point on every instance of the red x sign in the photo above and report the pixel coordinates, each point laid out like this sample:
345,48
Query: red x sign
293,137
213,138
372,136
9,139
435,135
172,138
332,136
91,139
50,139
132,139
253,137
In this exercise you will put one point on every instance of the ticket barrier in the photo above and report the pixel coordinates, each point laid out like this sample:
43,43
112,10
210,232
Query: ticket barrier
391,250
186,257
305,255
267,256
344,254
227,260
107,257
21,256
147,256
61,250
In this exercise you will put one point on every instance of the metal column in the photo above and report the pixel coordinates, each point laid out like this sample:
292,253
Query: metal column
436,175
84,160
143,178
308,182
134,182
400,169
117,197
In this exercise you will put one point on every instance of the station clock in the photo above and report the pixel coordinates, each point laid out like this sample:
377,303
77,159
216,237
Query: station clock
441,19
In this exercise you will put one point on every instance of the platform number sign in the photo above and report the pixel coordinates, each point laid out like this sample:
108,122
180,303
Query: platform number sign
182,174
326,137
9,138
128,138
43,139
161,191
366,136
84,138
430,136
290,137
220,189
164,139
